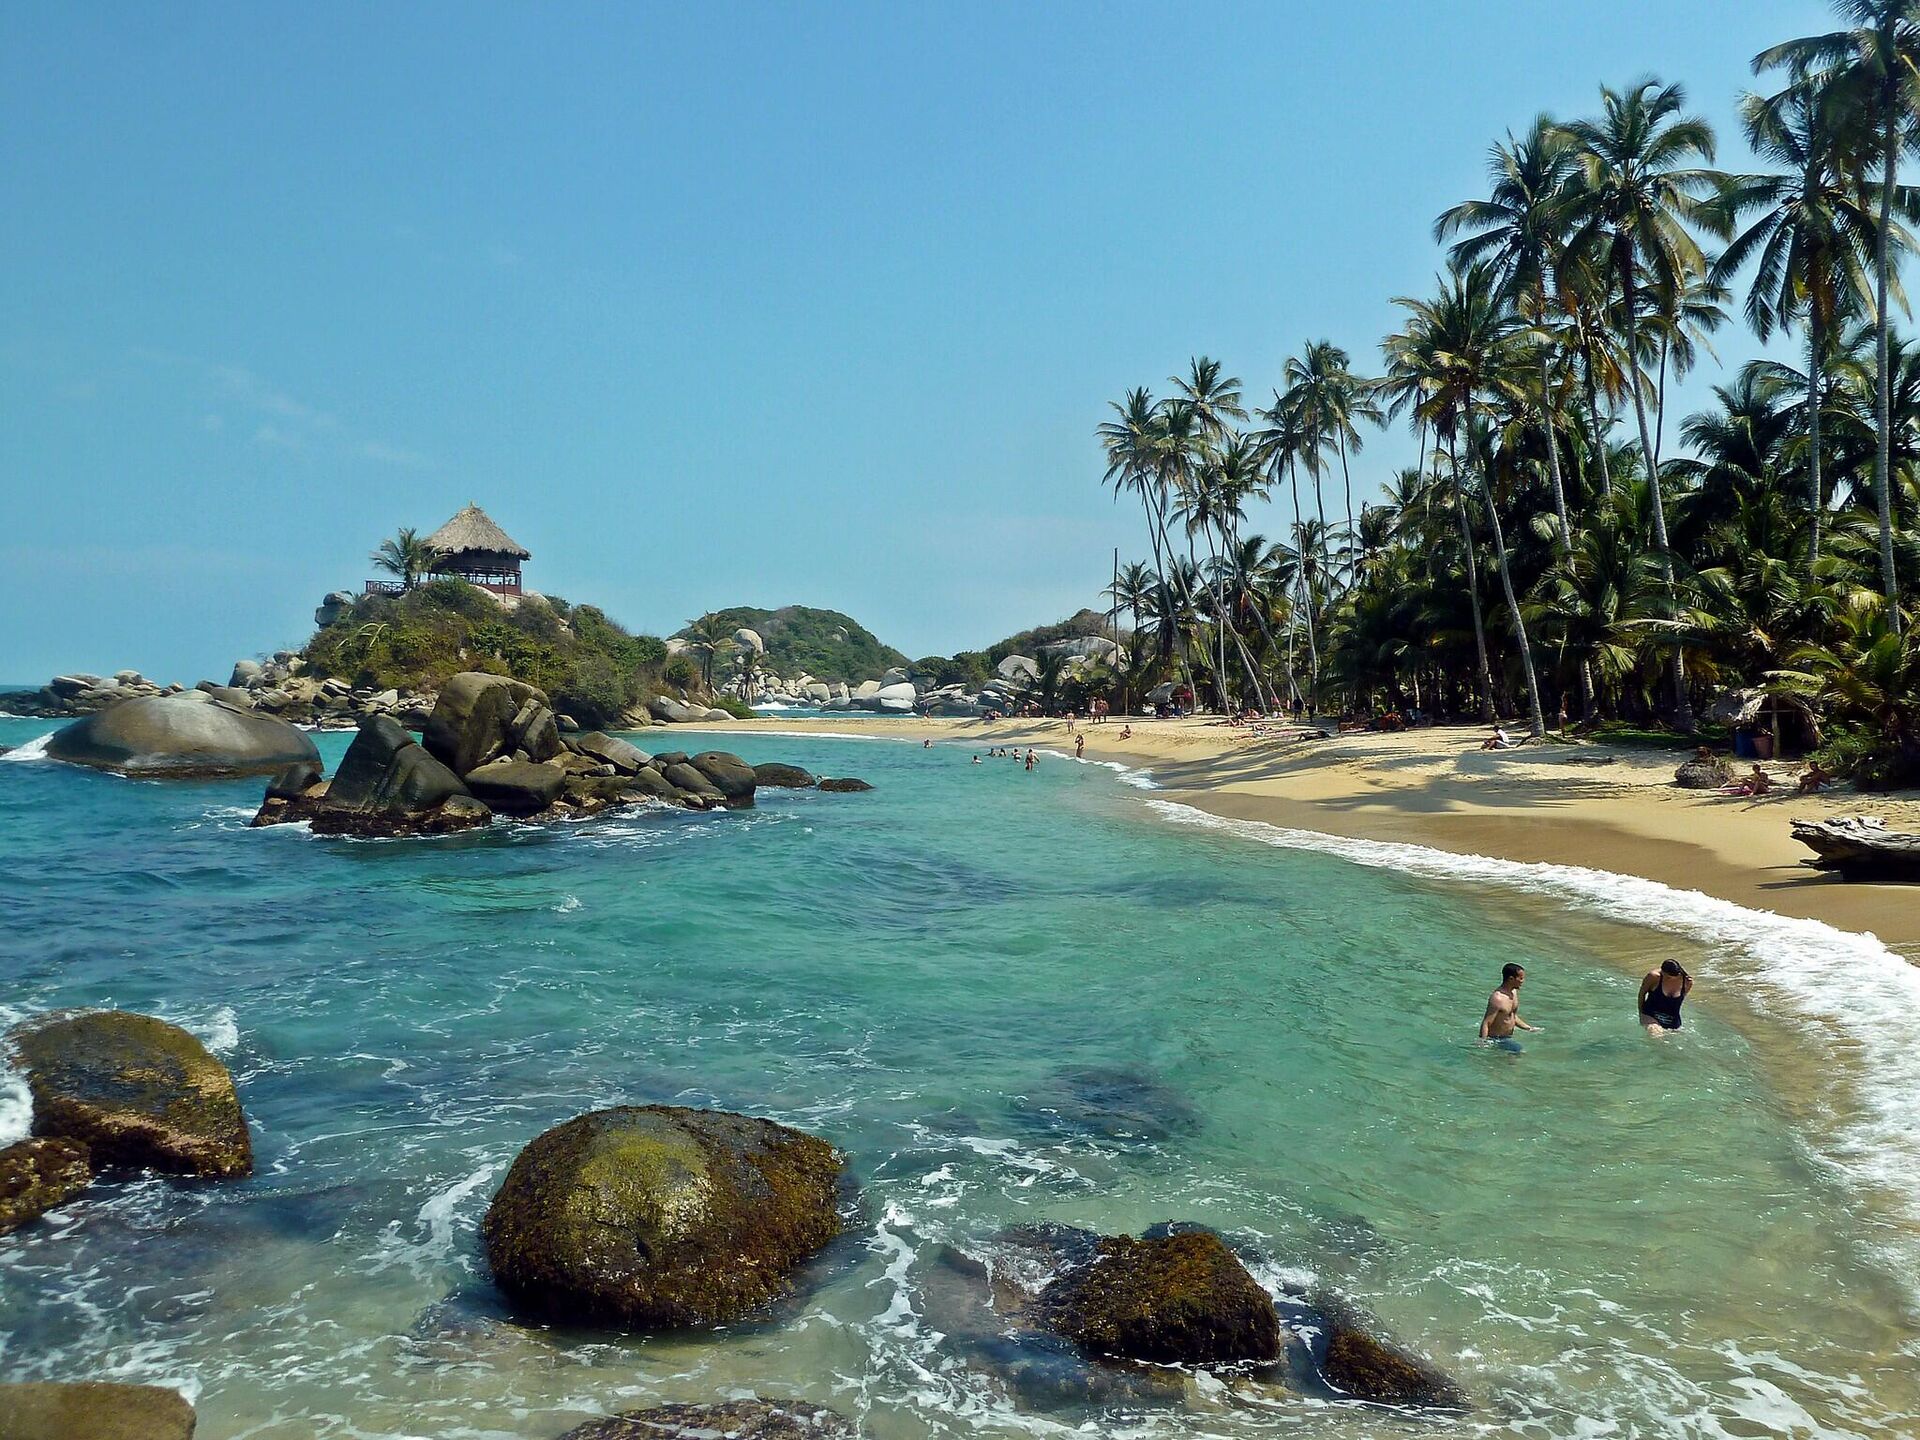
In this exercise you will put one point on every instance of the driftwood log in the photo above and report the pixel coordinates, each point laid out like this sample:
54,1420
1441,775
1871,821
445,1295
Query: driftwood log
1860,847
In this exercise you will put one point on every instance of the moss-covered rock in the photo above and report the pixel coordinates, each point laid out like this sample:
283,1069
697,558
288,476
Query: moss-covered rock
36,1175
1180,1299
733,1420
1360,1364
656,1216
93,1410
140,1093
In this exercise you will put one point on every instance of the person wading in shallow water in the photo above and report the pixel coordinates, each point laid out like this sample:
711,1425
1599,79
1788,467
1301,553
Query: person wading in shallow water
1503,1010
1661,992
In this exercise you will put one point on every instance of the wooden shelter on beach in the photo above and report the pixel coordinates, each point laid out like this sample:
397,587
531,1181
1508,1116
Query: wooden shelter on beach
471,547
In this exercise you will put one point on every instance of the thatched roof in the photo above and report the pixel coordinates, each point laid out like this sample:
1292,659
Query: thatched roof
472,529
1738,708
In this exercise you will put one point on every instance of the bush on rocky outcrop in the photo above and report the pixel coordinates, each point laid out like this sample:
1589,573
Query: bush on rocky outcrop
656,1216
139,1093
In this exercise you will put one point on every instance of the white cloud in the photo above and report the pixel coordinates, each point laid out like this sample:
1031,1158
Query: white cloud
273,435
398,455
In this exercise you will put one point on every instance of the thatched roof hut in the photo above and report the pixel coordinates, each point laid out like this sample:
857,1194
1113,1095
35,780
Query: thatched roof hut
471,547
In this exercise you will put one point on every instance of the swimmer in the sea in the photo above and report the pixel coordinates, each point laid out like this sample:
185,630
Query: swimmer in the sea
1503,1010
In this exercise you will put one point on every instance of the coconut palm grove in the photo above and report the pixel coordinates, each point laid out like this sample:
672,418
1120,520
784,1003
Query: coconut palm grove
1568,550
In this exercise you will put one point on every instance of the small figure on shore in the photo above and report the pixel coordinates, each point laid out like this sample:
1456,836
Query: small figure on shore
1126,732
1499,740
1503,1010
1816,778
1661,992
1079,747
1758,782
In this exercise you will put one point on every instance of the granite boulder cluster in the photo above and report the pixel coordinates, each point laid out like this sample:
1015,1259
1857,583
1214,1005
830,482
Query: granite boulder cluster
493,746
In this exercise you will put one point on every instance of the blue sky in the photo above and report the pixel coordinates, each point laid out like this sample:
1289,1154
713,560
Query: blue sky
737,304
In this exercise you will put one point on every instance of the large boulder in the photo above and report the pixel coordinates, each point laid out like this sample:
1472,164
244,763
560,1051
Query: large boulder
187,735
1703,773
844,785
35,1176
517,787
478,718
1018,667
655,1216
93,1410
333,608
139,1093
749,640
684,777
610,749
387,771
731,1420
674,712
651,784
775,775
866,690
729,774
246,674
1180,1299
895,699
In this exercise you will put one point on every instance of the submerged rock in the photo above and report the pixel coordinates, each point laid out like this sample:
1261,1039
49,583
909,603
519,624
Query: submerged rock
93,1410
37,1175
140,1093
1110,1103
656,1216
184,736
1182,1299
775,775
1358,1363
731,1420
845,785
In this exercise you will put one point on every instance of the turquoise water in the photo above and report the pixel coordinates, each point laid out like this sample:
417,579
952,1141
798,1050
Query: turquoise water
1008,997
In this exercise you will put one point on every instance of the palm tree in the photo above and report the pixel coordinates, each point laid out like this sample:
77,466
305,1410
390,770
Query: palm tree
1283,443
1877,73
1634,196
1808,242
709,639
1469,352
1329,397
1132,590
405,555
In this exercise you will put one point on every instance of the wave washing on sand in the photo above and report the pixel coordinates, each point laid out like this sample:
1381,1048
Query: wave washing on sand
1848,990
1139,779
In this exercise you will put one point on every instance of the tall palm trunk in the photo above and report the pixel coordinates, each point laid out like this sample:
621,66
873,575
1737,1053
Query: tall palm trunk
1560,500
1816,496
1513,605
1883,381
1346,478
1306,593
1473,580
1157,527
1682,707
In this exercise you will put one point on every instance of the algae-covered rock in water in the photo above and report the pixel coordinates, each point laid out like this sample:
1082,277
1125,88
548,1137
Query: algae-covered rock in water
845,785
655,1216
35,1176
140,1093
183,736
1182,1299
732,1420
93,1410
1358,1363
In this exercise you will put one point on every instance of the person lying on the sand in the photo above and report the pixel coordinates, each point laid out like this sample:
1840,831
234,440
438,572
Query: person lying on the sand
1758,782
1816,777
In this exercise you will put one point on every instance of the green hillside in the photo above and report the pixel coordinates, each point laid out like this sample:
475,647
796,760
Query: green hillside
824,643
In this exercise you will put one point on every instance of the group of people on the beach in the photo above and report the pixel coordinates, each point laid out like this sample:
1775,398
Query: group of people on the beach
1662,991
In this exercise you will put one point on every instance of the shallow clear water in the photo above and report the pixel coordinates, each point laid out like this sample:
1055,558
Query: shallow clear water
1008,997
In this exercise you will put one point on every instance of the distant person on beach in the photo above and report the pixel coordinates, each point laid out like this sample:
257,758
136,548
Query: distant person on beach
1079,747
926,744
1126,732
1499,740
1029,759
1816,778
1661,992
1503,1010
1758,782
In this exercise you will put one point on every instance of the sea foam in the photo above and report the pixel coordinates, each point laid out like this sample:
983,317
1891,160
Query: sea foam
1847,991
34,749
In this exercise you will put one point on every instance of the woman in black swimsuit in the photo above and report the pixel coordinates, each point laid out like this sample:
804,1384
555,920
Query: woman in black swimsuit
1661,994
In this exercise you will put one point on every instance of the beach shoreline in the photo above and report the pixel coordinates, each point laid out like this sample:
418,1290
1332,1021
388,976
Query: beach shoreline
1603,807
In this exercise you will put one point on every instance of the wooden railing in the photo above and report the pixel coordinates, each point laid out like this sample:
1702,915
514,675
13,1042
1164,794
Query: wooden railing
386,587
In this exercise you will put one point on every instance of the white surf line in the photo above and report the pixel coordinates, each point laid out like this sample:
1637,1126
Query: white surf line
783,734
34,749
1852,991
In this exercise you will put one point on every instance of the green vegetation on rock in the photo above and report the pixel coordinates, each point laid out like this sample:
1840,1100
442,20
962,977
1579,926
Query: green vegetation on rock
824,643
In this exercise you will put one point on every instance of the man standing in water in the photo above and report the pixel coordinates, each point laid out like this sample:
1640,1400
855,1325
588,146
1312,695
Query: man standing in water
1503,1010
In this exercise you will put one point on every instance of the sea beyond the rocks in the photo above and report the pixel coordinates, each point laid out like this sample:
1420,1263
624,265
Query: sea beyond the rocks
1010,998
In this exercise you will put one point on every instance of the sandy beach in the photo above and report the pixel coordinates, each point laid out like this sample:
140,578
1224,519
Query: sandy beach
1571,803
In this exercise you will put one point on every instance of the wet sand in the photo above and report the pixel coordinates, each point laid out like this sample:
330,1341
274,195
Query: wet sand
1571,803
